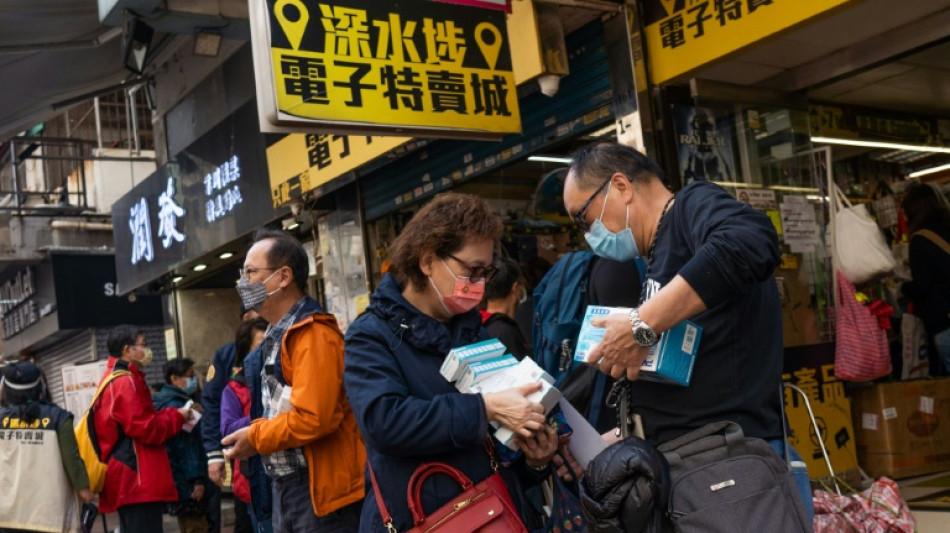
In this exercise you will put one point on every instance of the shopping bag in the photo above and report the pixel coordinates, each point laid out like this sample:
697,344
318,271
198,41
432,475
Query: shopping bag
859,246
915,349
879,509
861,349
567,512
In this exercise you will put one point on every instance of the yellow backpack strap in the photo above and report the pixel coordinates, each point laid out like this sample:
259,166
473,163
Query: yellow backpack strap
109,379
934,238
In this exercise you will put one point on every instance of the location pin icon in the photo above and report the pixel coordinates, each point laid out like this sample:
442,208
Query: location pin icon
293,29
489,51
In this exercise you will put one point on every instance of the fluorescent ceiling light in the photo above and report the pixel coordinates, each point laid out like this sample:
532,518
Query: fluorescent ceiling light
550,159
226,255
199,267
738,184
176,279
293,225
879,144
932,170
792,189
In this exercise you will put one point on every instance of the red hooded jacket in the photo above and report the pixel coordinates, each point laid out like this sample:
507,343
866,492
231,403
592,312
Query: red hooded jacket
132,436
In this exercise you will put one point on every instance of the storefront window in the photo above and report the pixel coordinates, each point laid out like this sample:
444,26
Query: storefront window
764,157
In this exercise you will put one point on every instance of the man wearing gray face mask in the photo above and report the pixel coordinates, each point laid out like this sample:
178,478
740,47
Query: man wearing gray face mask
301,423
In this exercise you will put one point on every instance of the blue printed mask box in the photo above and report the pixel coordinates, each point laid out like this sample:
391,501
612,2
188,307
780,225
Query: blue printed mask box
476,372
669,361
459,358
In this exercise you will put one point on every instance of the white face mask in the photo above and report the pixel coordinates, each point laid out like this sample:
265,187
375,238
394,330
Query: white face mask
524,296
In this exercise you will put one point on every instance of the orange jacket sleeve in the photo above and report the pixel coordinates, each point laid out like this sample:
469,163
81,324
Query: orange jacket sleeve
312,360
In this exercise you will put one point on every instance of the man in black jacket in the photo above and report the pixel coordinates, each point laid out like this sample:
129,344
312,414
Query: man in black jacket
710,259
217,378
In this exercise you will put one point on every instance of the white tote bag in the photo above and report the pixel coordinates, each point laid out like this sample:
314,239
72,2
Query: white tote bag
859,246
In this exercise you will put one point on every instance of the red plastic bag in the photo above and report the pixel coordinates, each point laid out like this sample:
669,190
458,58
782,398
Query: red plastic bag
861,352
879,509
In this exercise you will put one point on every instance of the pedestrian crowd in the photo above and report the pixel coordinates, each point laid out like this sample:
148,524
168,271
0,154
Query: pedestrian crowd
326,432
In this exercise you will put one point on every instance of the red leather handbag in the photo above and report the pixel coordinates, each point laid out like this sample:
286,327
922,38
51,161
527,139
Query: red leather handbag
482,508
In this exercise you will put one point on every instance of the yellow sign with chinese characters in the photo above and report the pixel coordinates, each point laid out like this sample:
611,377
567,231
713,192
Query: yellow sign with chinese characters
299,162
684,35
832,410
407,67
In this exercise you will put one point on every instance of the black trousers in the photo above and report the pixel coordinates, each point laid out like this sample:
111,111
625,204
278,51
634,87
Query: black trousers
141,517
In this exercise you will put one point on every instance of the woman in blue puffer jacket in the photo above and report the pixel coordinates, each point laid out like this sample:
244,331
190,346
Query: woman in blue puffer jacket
407,412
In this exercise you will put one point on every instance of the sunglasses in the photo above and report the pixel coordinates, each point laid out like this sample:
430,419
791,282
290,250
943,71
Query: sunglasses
476,273
579,215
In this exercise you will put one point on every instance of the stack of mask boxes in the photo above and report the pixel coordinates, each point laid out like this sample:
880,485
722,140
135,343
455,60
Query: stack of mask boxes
485,368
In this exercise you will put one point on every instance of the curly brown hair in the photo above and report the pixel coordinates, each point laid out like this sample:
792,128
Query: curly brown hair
444,226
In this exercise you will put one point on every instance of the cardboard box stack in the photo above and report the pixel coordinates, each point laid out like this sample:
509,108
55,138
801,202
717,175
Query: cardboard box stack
903,427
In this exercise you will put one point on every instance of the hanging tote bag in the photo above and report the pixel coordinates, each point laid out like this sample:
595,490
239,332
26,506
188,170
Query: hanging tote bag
861,252
482,508
861,350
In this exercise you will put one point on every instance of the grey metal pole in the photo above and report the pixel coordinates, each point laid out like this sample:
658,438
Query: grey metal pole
135,119
95,104
16,180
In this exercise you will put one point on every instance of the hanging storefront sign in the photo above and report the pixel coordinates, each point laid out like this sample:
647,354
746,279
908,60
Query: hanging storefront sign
213,192
416,66
65,292
705,140
300,163
18,307
683,35
847,122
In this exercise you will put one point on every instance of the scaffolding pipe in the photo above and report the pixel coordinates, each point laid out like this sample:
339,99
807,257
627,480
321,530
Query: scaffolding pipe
128,121
95,104
135,119
16,180
81,225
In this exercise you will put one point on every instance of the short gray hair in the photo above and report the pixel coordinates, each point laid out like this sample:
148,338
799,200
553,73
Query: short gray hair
597,162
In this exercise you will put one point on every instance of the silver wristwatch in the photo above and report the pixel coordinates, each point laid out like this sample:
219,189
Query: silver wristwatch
642,333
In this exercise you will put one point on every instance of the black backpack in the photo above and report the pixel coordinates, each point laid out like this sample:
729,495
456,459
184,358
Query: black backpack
724,481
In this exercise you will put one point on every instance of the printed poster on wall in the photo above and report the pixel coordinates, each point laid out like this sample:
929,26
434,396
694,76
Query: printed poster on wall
394,68
79,386
704,140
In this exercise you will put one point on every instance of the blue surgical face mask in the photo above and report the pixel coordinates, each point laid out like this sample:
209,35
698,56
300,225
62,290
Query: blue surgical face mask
191,385
604,243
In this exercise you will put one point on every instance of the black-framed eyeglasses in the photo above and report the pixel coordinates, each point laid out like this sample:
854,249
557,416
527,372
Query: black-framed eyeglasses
245,272
579,215
477,273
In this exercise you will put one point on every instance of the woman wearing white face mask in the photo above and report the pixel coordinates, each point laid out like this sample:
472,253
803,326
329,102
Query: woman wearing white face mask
407,412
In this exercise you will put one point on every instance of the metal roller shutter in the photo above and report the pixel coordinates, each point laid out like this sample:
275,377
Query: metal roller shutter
76,348
154,338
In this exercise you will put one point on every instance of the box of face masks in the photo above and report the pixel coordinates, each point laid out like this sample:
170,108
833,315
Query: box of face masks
669,361
476,372
459,358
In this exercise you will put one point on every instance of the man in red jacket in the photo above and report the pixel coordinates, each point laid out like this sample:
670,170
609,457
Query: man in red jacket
132,437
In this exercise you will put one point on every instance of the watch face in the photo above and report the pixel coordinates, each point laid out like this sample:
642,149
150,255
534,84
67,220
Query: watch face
645,337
